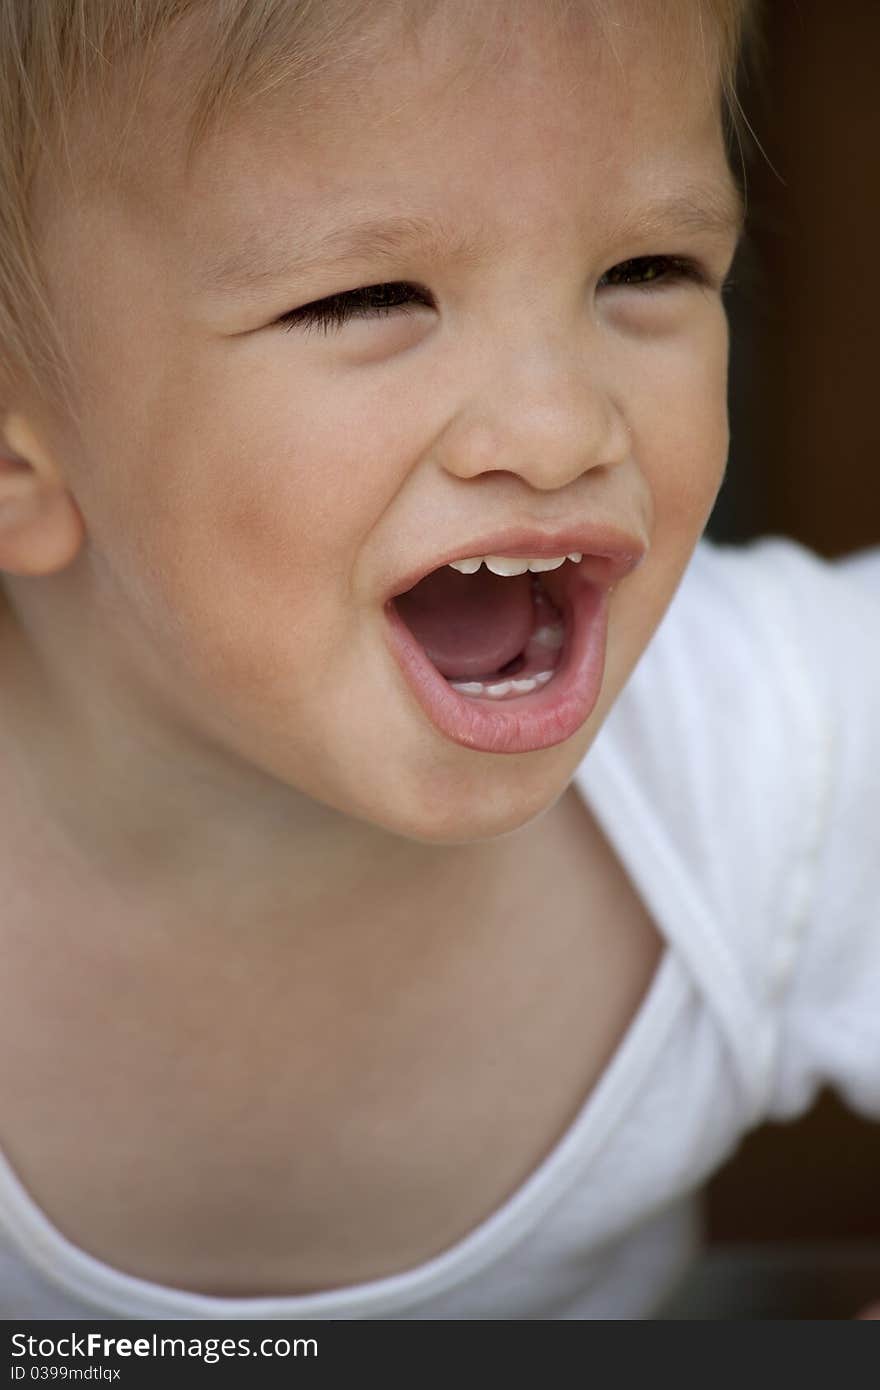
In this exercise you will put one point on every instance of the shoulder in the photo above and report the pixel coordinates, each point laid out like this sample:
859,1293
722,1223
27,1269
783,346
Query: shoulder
753,712
735,758
725,708
761,641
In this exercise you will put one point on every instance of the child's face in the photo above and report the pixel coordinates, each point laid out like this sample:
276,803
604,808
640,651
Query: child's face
252,496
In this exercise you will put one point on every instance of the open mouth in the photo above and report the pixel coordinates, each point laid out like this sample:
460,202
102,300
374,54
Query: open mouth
509,659
490,636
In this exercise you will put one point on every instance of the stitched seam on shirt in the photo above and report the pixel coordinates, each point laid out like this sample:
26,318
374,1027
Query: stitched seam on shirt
816,717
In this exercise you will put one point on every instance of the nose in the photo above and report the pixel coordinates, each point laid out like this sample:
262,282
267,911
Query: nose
545,416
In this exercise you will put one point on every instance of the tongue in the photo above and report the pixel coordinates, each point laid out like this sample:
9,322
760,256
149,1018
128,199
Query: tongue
469,624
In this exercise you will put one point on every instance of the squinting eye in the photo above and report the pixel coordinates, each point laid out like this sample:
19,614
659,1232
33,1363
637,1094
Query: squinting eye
401,297
371,301
644,272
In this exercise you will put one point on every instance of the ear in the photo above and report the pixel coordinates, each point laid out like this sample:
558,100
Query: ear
41,526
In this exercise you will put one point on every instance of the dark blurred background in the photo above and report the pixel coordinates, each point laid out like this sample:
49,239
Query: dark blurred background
805,419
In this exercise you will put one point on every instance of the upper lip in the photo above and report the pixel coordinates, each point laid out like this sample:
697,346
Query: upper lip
619,551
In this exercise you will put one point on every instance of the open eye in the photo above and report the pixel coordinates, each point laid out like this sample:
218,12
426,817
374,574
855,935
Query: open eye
370,301
649,272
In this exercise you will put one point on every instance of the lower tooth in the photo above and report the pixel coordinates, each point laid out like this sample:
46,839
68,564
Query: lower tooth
497,692
552,637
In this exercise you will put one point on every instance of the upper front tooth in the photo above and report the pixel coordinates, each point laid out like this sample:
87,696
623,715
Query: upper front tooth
502,564
499,564
538,566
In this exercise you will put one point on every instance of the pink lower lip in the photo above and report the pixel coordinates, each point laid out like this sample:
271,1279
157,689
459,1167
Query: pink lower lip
542,719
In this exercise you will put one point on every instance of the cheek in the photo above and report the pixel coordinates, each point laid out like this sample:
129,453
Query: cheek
233,538
680,437
683,434
250,536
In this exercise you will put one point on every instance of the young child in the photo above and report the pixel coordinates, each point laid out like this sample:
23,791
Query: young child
347,972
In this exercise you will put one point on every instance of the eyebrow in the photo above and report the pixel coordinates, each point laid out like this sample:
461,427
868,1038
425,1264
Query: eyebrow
262,262
715,209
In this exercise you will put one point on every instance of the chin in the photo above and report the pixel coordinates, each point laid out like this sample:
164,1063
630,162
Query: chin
498,797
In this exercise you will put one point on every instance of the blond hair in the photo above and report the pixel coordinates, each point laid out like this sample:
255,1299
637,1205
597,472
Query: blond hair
58,57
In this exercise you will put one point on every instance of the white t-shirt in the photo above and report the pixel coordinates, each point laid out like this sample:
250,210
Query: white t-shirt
737,778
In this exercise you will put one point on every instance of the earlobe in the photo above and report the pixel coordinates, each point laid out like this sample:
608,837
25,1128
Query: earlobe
41,526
